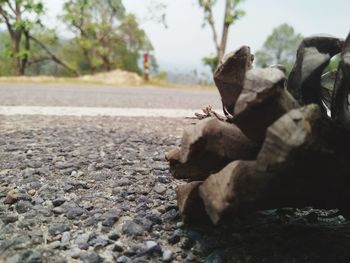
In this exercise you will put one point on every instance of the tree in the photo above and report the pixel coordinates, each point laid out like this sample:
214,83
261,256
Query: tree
5,58
279,48
20,16
231,15
105,36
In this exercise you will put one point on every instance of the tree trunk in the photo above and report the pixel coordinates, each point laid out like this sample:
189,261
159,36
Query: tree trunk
17,40
24,61
225,31
16,45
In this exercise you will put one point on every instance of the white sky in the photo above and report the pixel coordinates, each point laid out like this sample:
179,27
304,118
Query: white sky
182,46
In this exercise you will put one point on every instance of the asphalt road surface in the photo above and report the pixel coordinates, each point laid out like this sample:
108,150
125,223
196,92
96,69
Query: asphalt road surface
65,95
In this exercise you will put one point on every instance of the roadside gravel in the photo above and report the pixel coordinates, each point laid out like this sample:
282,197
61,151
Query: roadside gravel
97,189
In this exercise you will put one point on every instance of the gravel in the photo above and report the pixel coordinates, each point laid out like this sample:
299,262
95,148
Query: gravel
98,190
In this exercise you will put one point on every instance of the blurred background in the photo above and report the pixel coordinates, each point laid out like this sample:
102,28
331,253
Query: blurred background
183,39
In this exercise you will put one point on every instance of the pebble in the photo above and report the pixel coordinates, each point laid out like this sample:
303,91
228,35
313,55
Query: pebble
23,207
122,259
152,247
56,229
75,253
10,218
32,192
118,248
98,242
58,210
167,256
82,241
58,201
110,218
65,238
114,236
132,229
92,257
144,223
174,239
11,197
160,189
74,213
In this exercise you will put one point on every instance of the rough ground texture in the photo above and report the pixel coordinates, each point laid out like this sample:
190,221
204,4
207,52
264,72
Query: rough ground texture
99,190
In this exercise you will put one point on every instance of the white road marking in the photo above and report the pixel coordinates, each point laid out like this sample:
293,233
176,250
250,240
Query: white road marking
93,111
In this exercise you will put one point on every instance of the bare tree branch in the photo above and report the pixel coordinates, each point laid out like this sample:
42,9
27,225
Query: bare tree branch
53,56
211,22
4,14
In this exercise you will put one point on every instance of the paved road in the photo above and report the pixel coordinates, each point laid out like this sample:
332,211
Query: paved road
104,96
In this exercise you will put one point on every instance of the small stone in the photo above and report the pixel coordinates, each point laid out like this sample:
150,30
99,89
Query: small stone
98,242
132,251
82,241
31,256
75,253
160,189
38,201
145,223
23,207
161,209
174,239
11,197
65,238
122,259
114,236
152,247
10,218
161,167
132,229
74,213
122,182
341,218
56,229
155,218
24,197
118,248
171,215
32,192
167,256
54,245
91,258
58,210
58,201
180,224
110,219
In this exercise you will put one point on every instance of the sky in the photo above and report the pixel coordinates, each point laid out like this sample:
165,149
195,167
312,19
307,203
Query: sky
182,45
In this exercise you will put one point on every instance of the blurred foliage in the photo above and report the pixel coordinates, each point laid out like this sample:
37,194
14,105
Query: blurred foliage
19,18
5,58
105,38
211,61
279,48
